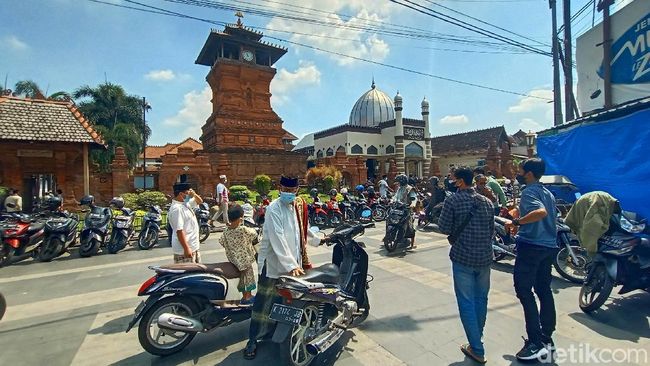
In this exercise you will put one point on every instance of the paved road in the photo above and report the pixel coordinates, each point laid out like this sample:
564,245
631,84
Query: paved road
74,311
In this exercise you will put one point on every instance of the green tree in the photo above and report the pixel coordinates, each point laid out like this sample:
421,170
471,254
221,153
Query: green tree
118,117
262,183
30,89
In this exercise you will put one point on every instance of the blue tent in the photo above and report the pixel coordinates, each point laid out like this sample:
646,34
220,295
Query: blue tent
607,151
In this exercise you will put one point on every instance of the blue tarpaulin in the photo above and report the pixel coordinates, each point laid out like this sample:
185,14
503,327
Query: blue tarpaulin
610,154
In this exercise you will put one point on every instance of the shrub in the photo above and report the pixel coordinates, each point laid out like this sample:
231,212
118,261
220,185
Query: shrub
151,198
316,176
328,183
130,200
262,183
238,193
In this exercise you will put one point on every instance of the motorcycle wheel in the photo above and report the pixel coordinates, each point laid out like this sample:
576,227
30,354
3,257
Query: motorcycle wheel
118,243
320,219
7,255
574,272
89,248
50,249
336,219
379,213
3,306
423,222
596,290
293,350
349,215
391,243
153,339
204,233
147,239
496,255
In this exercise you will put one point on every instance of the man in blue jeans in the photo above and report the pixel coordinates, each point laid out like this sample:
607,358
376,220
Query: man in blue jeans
471,256
536,249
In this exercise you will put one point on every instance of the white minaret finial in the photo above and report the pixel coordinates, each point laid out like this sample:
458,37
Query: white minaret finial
425,117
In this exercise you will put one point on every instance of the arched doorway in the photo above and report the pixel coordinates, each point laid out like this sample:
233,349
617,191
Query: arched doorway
373,167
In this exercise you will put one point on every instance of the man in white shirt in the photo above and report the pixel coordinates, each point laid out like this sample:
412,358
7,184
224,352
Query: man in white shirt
282,251
222,200
384,188
185,227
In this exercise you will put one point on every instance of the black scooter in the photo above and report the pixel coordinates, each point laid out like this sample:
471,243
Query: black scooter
318,307
398,227
623,259
183,300
122,228
149,233
203,216
95,231
60,231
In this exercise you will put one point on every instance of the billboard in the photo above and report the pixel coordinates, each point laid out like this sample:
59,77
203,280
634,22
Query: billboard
630,63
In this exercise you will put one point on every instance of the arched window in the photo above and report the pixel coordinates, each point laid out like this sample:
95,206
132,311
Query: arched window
341,150
329,152
414,150
319,154
356,149
390,149
372,150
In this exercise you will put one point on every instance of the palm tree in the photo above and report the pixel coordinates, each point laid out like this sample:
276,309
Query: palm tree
30,89
118,116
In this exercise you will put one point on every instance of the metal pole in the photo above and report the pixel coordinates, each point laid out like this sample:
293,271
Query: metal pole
557,94
144,144
607,54
568,64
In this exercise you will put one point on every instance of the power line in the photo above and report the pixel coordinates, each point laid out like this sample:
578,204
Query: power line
467,26
161,11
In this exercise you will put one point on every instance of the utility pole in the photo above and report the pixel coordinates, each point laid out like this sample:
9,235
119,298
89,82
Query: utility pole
144,144
603,6
568,63
557,95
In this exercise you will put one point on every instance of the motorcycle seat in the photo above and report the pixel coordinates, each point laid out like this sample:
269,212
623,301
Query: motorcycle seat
501,220
36,226
327,273
225,269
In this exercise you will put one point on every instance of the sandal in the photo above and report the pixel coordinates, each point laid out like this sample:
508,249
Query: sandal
250,352
467,350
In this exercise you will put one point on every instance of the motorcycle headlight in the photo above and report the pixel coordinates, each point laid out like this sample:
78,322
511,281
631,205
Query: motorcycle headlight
630,227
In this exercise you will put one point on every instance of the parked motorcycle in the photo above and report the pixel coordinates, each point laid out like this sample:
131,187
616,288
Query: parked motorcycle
379,209
570,262
150,230
397,227
318,307
122,226
21,235
623,259
430,215
202,213
60,231
183,300
95,232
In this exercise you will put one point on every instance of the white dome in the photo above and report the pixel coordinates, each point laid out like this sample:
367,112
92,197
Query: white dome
425,102
372,108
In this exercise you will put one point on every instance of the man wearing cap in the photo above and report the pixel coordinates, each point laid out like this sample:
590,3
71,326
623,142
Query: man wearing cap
222,200
185,227
282,251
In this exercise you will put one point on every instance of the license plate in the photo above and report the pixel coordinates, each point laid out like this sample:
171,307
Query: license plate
286,314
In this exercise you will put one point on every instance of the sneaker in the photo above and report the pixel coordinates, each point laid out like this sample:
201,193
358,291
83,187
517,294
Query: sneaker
550,346
532,351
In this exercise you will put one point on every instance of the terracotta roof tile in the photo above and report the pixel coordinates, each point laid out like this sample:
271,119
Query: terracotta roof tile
156,152
44,120
468,141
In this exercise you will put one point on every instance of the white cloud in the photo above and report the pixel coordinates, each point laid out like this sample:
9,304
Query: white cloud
338,35
533,102
529,124
160,75
460,119
195,111
12,42
286,81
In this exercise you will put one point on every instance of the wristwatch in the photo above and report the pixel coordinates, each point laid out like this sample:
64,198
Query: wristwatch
515,222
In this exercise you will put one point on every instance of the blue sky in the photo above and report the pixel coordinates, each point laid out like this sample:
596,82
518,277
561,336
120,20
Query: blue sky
63,44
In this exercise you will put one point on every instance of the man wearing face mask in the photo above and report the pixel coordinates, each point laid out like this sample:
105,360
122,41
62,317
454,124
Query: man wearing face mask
283,250
185,227
406,194
536,250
